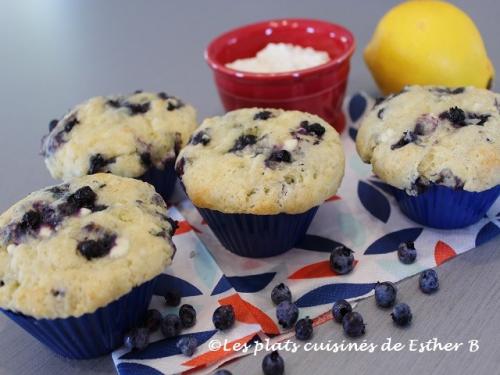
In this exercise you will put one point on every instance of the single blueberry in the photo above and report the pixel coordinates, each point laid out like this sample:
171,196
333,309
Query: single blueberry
153,320
340,309
385,294
137,339
407,252
97,248
263,115
428,281
138,108
380,113
171,326
31,221
342,260
70,123
187,313
455,115
97,163
114,103
243,141
187,345
163,95
287,314
401,314
407,138
223,372
173,106
172,297
316,129
304,329
223,317
280,156
201,137
146,159
281,293
53,124
353,324
273,364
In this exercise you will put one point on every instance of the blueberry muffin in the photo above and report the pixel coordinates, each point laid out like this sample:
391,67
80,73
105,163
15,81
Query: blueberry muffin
268,165
430,141
137,136
74,252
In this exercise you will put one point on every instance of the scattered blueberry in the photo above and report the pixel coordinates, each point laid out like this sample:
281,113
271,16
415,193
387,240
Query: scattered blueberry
153,320
70,123
455,115
146,159
114,103
138,108
31,221
407,252
428,281
407,138
201,137
59,190
187,313
223,372
53,124
223,317
281,293
353,324
380,113
385,294
481,117
287,314
243,141
2,283
263,115
342,260
179,166
173,106
97,248
97,163
163,95
448,90
84,197
401,314
273,364
340,309
187,345
171,326
174,224
447,178
172,297
137,339
317,129
304,329
280,156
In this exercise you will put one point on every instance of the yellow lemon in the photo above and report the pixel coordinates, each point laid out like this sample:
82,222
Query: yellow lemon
427,42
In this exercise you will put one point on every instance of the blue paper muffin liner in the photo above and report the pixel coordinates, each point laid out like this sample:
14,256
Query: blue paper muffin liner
162,179
446,208
258,236
94,334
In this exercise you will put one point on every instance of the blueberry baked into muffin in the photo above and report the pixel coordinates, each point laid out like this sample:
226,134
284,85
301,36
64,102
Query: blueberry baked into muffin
257,176
136,135
80,259
439,148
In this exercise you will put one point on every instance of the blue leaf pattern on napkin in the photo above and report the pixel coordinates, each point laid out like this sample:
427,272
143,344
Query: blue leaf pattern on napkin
488,232
391,241
127,368
222,286
374,201
167,283
251,283
333,292
317,243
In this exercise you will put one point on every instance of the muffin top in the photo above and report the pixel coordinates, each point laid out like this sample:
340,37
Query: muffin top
124,135
70,249
439,135
262,161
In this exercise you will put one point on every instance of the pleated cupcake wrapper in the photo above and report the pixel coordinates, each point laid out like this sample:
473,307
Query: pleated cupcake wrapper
162,179
445,208
94,334
258,236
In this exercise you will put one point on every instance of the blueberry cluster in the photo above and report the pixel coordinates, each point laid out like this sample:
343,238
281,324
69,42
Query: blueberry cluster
171,326
43,215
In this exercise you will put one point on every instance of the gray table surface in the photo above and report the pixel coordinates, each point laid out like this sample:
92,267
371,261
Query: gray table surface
57,53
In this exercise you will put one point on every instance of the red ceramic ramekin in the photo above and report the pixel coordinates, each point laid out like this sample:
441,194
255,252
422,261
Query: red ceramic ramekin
319,90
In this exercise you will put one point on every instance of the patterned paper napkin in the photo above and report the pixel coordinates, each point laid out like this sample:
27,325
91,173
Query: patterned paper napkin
364,216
